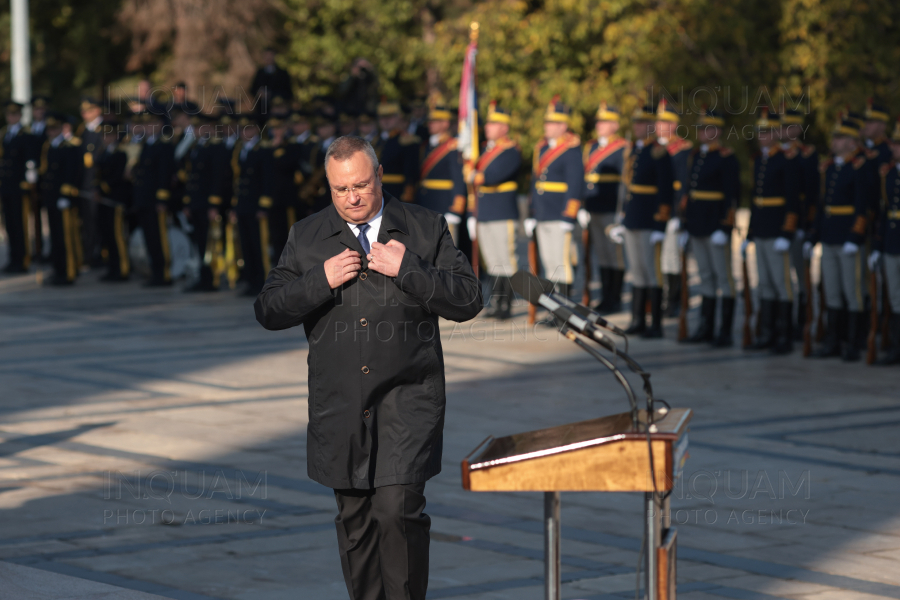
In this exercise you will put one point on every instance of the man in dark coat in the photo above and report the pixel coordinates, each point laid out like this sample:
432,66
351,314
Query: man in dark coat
368,277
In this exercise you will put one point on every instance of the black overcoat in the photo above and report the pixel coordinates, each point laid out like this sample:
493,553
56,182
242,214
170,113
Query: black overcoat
376,369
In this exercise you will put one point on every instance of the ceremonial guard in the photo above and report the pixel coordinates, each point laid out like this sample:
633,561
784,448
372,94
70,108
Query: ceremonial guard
841,227
648,207
60,170
497,209
604,161
91,136
306,148
877,147
36,138
773,224
114,201
202,201
251,205
281,177
667,120
151,184
887,244
15,189
712,196
556,181
398,153
441,185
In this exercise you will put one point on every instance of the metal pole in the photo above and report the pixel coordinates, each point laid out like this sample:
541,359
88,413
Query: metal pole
551,546
21,56
652,543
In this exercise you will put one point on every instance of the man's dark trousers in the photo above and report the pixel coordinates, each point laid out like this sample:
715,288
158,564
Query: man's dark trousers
383,540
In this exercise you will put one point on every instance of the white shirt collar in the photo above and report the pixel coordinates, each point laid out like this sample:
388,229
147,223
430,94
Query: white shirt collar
58,140
374,226
94,125
870,144
704,148
839,160
327,142
13,129
304,136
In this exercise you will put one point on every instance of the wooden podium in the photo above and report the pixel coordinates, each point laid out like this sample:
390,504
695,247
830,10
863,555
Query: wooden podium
600,455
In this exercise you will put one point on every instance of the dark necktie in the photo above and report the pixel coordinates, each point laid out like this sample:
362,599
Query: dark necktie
363,240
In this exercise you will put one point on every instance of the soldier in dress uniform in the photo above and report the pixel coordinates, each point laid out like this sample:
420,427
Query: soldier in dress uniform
15,188
307,149
151,185
61,164
713,191
251,205
201,200
326,133
368,127
806,168
886,247
604,161
841,227
774,215
667,121
497,209
398,153
281,178
89,131
648,207
346,123
37,136
556,181
441,185
113,201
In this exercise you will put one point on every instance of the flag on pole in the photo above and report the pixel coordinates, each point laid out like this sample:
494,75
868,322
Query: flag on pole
468,102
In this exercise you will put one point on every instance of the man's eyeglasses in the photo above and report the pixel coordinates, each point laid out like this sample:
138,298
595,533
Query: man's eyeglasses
360,189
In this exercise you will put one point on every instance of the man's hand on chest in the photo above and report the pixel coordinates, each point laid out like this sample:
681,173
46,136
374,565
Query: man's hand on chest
386,258
343,267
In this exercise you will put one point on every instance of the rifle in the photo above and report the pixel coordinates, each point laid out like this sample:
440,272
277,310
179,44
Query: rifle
807,326
748,307
533,266
685,299
586,242
872,353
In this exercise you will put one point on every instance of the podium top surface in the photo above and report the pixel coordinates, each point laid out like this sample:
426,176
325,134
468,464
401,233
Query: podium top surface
574,436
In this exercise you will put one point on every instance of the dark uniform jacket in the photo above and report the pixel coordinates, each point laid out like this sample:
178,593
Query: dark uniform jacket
441,185
283,167
251,189
91,146
806,168
680,151
876,156
841,215
60,171
399,155
111,179
650,190
14,153
603,166
222,158
152,175
712,194
556,179
887,238
199,176
495,178
774,210
376,369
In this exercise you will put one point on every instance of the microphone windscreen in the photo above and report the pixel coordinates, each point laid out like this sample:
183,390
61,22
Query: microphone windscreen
529,286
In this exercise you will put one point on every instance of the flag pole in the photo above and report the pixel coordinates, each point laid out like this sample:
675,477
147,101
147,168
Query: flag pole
469,165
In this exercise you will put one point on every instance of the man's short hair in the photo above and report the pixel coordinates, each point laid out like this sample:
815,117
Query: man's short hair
346,146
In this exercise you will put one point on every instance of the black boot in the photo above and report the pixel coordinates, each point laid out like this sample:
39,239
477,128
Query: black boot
638,311
765,322
673,295
893,355
706,330
495,297
605,289
850,348
784,316
831,343
724,339
616,278
801,317
655,330
503,298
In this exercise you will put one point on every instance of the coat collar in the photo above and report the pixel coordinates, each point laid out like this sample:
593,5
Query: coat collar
392,220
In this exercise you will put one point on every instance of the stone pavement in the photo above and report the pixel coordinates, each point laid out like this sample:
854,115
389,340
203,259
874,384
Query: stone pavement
155,441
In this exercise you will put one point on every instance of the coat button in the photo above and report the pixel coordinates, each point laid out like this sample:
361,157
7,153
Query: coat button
363,322
365,370
363,276
367,414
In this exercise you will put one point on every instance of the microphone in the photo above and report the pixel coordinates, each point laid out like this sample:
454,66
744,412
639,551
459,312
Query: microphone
536,292
538,285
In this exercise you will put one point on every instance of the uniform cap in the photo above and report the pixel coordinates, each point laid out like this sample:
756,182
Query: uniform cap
667,112
876,112
498,114
557,112
711,117
607,112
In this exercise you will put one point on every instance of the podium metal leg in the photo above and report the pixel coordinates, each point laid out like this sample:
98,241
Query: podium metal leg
551,546
653,520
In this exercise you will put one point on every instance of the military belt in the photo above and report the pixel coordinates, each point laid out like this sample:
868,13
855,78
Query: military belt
768,201
636,188
840,211
393,178
551,186
893,214
437,184
603,178
706,195
509,186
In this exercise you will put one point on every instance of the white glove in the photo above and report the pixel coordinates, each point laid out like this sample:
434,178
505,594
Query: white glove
63,203
530,226
31,173
799,235
807,250
683,238
850,248
744,245
656,237
470,227
453,218
584,218
719,238
673,225
782,244
874,260
616,234
566,226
